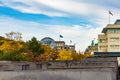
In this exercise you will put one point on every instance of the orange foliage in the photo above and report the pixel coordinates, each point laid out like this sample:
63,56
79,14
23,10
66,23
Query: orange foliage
11,45
48,51
41,57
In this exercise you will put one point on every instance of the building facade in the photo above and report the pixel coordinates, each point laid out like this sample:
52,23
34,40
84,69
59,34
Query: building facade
60,45
109,41
57,45
70,47
92,48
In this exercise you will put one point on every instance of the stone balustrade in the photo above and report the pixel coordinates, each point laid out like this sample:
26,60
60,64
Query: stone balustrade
88,69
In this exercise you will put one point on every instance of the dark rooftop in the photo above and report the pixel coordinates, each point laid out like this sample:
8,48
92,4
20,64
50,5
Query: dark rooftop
117,21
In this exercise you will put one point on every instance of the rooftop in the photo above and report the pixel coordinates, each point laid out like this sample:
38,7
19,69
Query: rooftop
117,21
111,26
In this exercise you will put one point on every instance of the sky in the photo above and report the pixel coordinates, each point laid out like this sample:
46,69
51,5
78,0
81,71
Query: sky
79,21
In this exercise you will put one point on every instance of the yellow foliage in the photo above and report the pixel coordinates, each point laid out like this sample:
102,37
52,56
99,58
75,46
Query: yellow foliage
88,54
48,51
9,45
71,55
77,56
65,55
24,54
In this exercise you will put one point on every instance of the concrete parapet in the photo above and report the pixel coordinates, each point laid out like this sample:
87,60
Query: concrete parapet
89,67
110,62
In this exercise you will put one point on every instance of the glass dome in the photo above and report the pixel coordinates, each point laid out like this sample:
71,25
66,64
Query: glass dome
48,41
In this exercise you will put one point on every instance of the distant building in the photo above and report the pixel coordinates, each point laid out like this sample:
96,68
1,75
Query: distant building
92,48
109,41
70,47
59,45
48,41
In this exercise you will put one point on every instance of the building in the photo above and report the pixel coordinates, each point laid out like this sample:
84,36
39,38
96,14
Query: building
92,48
59,45
48,41
109,41
70,47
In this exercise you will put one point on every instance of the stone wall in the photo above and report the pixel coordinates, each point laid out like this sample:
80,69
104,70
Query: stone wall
87,69
72,74
109,62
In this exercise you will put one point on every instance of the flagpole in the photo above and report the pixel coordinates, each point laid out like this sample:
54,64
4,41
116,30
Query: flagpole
109,17
70,42
110,13
59,38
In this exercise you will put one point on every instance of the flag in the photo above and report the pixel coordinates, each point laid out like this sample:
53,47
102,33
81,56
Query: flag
110,13
70,41
61,36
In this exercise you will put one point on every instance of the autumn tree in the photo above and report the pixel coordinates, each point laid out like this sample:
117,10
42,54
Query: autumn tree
14,36
77,56
71,55
88,54
35,47
49,52
12,50
65,55
9,45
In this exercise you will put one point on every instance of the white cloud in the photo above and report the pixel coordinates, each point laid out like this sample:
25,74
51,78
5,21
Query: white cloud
32,6
92,10
56,7
53,8
80,35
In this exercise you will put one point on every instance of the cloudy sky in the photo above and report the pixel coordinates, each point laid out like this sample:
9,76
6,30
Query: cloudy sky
77,20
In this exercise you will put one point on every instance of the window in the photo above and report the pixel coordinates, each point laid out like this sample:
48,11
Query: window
114,46
102,40
114,39
39,66
102,47
113,30
25,67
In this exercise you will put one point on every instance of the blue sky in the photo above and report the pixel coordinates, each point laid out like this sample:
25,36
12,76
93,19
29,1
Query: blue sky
77,20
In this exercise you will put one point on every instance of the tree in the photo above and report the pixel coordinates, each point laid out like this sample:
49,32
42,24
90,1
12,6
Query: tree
12,50
9,45
14,36
88,54
65,55
77,56
15,55
49,52
35,47
71,55
41,57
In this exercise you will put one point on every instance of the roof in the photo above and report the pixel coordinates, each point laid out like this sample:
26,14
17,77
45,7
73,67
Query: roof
59,42
116,25
107,54
117,22
47,38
